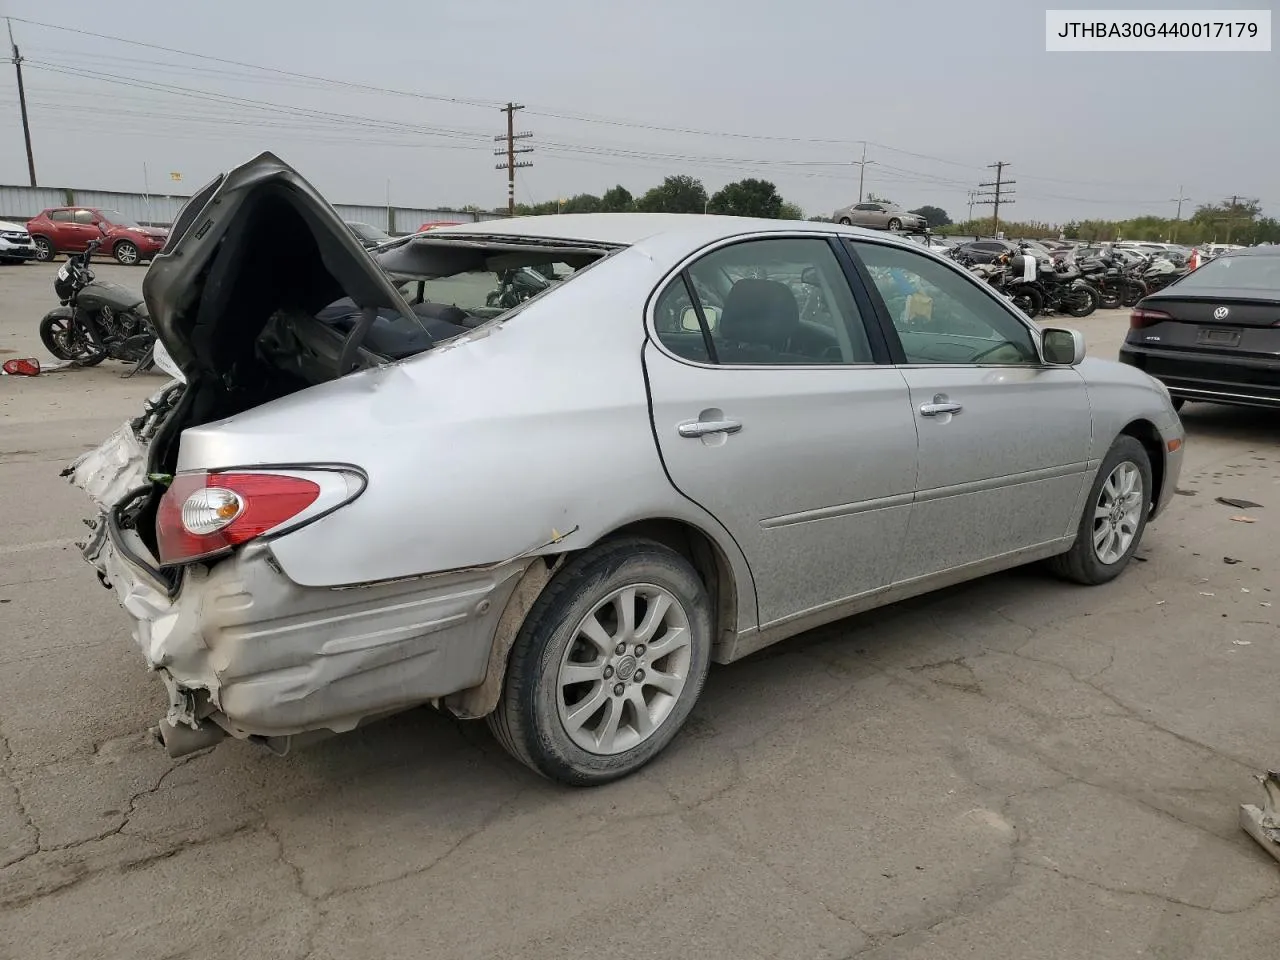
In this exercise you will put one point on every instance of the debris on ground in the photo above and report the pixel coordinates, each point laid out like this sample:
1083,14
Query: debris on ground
21,367
1238,504
1230,560
1244,519
1263,824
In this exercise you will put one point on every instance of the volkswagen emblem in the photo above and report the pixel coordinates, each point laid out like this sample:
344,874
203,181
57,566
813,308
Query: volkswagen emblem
1221,313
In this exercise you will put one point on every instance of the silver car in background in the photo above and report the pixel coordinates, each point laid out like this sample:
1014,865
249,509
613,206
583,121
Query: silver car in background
545,470
879,215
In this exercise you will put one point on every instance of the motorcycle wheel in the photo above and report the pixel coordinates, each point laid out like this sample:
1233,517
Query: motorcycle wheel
1133,292
1029,301
67,344
1080,301
1109,298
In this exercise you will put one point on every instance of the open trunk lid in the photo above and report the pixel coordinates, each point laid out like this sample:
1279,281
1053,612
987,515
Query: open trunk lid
252,243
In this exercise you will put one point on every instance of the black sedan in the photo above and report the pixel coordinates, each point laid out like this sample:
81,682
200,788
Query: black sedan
1214,335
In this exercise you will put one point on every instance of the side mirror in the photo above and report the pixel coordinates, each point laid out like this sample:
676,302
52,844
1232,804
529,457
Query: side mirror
1062,347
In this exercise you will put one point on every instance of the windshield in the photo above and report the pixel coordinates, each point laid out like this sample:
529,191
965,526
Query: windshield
1235,273
117,219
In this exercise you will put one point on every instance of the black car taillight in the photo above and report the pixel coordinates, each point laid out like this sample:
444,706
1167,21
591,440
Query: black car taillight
1141,318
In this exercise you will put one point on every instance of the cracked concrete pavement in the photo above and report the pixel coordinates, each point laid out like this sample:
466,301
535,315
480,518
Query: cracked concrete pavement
1011,768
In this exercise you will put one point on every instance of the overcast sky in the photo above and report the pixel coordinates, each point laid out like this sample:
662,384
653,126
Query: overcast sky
950,87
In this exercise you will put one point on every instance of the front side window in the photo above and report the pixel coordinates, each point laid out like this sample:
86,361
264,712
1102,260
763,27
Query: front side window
940,315
764,302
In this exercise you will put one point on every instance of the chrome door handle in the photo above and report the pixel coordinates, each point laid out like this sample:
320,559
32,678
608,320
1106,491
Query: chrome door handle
939,406
702,428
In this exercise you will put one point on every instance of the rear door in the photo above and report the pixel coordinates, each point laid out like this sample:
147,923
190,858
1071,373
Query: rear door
774,409
82,228
63,229
1005,440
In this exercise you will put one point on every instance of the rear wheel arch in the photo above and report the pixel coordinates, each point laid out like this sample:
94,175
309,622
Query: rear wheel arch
1145,432
693,544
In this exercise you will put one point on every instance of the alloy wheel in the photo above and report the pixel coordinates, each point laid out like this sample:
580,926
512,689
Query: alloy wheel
44,249
623,672
1117,513
127,254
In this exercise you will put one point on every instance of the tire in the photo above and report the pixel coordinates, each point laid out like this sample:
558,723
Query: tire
58,340
535,713
1133,292
1029,301
126,253
894,224
846,221
1109,298
44,249
1080,301
1086,563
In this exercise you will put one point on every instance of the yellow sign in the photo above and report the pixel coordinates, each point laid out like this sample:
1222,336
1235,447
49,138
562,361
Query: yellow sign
175,176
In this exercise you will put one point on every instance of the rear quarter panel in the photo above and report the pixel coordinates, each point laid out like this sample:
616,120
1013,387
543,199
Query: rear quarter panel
484,448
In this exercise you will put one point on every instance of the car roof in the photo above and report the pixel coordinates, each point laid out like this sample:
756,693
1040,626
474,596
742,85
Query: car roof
627,229
1270,251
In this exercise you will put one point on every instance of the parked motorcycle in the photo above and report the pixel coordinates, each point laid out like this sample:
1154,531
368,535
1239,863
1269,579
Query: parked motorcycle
1115,286
1064,290
96,319
1159,272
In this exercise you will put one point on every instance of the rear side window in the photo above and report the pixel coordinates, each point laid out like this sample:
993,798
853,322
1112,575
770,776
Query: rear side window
84,216
61,216
770,302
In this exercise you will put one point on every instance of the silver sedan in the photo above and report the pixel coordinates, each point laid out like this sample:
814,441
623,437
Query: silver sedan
879,215
545,471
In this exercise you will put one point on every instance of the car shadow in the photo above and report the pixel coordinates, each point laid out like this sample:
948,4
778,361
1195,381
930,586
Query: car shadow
1221,422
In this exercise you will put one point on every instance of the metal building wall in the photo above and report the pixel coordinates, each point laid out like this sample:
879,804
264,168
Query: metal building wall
22,203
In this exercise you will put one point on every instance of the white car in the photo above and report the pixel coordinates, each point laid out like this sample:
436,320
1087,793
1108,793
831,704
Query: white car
15,243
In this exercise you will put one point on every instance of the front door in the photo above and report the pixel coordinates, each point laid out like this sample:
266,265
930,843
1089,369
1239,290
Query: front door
772,411
1005,439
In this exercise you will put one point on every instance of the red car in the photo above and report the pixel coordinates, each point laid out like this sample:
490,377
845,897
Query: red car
432,224
69,230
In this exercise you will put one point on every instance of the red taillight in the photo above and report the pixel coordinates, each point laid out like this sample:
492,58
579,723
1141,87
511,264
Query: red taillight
1147,318
202,514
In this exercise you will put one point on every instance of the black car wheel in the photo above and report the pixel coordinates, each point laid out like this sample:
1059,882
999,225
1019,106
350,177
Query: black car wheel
846,221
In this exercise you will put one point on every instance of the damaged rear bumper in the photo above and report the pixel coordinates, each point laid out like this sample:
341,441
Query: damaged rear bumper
242,646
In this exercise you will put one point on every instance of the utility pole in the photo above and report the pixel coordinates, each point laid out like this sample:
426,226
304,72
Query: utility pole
511,150
1179,199
22,104
862,168
972,194
1000,194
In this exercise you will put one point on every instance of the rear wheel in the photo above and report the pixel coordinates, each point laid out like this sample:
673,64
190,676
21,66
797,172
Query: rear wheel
895,224
126,253
1115,516
846,221
44,249
1028,300
1109,298
67,341
1132,292
1080,301
607,665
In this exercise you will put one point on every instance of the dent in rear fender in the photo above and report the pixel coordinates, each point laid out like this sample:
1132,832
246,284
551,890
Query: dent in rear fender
480,451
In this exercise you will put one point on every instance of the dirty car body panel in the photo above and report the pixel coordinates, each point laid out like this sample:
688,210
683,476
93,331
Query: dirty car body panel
450,483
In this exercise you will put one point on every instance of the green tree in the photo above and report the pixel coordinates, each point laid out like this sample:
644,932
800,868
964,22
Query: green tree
676,194
934,216
582,203
617,200
747,198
